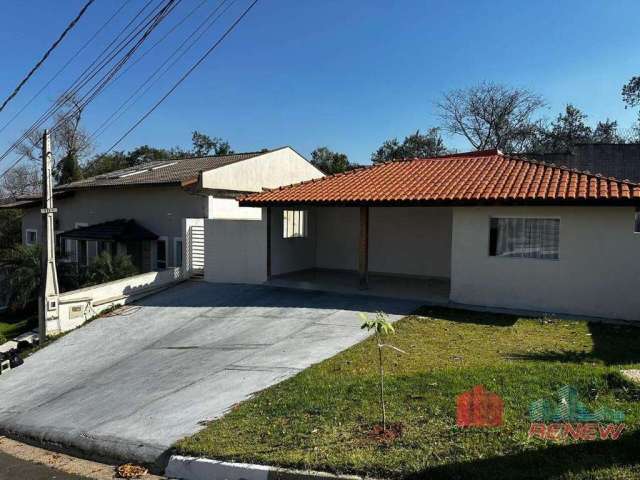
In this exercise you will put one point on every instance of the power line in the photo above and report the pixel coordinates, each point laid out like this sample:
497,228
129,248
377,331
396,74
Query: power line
73,57
144,27
185,75
46,54
123,108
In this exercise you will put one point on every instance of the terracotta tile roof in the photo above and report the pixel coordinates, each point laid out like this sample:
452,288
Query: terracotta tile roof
173,171
464,178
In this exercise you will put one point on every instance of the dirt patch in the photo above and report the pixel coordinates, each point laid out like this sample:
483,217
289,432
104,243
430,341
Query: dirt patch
386,436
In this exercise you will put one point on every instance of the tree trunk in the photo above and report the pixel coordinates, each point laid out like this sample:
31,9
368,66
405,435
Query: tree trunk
384,413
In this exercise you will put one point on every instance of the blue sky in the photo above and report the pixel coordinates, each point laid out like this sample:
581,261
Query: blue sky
347,74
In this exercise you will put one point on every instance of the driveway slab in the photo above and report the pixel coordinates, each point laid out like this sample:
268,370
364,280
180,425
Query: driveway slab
128,386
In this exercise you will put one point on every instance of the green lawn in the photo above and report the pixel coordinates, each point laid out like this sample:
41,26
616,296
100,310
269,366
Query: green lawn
319,418
10,328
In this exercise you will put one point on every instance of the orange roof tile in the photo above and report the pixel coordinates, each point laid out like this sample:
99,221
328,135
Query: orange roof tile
465,178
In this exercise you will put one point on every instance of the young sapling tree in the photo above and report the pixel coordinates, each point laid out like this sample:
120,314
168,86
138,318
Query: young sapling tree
381,327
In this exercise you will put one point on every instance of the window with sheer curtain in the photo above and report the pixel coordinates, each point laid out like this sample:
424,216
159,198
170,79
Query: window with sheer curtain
537,238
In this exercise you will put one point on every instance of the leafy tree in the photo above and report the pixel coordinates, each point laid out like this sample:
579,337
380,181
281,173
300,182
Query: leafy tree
490,115
568,129
105,268
329,162
607,132
10,228
417,145
205,145
23,283
381,327
631,92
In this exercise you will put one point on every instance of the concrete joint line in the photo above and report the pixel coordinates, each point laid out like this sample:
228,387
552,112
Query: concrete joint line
191,468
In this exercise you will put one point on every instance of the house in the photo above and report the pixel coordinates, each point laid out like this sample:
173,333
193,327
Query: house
140,210
479,229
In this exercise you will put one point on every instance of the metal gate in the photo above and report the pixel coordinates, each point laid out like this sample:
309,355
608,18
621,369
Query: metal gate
194,246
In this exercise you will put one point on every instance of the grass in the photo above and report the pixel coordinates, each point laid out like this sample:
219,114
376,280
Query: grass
10,328
318,419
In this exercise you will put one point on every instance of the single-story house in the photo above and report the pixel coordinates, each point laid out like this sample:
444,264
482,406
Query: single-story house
140,210
480,229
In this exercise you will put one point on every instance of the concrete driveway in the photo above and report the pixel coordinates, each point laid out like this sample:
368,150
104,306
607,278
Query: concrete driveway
129,386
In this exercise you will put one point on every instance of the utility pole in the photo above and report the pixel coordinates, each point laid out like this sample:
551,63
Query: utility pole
48,300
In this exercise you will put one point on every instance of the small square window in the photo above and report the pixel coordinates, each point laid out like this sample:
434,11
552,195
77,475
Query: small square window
294,223
31,237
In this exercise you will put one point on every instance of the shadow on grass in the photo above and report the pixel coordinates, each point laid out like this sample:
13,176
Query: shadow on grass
468,316
550,462
612,344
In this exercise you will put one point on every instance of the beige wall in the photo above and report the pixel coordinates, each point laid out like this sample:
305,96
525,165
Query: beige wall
160,209
273,169
402,240
597,274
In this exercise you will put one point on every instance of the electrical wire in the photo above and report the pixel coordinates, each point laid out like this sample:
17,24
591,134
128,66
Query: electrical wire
57,74
184,76
46,55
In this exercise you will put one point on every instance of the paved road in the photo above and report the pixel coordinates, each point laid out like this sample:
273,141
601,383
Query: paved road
12,468
129,386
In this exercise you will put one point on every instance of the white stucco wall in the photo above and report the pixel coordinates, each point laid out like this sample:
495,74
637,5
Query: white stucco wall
402,240
221,208
292,254
235,251
597,274
274,169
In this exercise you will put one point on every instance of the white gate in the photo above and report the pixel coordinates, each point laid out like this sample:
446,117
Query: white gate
193,234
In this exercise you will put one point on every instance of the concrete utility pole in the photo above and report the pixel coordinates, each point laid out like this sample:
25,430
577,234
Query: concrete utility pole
48,301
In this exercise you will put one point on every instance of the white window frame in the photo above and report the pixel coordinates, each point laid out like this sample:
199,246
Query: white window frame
528,217
302,225
175,251
166,252
26,236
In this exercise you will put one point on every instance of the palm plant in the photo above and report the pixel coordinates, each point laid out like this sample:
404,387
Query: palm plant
21,279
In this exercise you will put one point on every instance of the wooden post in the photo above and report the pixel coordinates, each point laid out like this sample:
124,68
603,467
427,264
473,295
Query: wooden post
363,248
268,243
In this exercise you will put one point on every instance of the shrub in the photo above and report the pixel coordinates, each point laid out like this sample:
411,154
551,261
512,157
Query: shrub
105,268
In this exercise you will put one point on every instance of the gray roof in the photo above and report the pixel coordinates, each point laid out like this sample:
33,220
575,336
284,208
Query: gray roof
164,172
116,230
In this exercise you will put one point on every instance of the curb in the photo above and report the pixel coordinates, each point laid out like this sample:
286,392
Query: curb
192,468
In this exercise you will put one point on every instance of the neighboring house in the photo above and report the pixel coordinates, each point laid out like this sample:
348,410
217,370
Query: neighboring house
140,210
619,160
479,228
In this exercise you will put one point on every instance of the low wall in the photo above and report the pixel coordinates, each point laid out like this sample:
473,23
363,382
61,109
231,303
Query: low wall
78,306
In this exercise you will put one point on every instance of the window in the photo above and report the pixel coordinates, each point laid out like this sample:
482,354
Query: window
161,253
637,222
31,237
177,252
525,238
294,223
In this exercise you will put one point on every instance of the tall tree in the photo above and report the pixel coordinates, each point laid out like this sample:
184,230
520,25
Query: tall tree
329,162
491,115
418,145
631,92
205,145
607,132
70,142
567,129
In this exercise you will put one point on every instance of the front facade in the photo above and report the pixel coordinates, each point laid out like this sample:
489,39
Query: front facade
159,197
479,229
